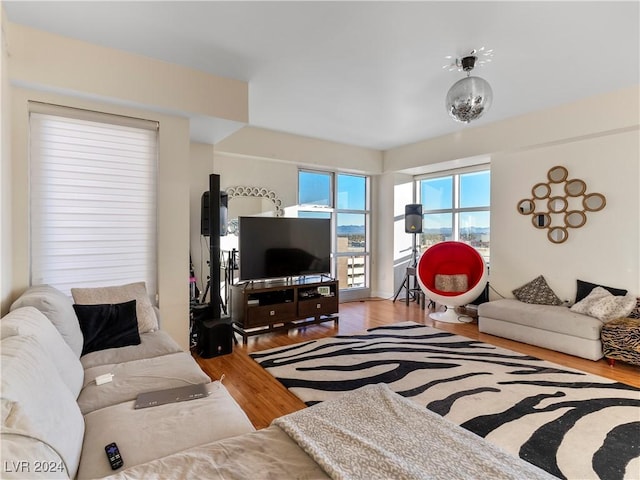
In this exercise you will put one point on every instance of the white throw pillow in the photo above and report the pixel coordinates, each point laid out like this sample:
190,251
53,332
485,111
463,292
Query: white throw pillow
30,321
35,404
147,320
605,306
57,307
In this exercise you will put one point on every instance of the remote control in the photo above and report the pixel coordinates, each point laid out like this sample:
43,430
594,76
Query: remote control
113,454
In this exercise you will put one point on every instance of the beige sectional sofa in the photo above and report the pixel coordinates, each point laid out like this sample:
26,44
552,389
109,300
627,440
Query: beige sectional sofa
555,327
56,421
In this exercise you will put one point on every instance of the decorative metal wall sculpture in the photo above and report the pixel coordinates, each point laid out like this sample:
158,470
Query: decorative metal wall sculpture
560,198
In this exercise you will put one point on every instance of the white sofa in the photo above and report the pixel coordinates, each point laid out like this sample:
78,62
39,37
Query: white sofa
549,326
56,421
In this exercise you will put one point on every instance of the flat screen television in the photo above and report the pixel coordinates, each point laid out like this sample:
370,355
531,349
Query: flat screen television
279,247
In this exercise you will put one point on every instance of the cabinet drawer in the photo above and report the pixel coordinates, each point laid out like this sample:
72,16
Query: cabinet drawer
268,314
317,306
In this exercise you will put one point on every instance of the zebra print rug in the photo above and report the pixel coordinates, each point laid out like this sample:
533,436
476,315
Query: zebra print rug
572,424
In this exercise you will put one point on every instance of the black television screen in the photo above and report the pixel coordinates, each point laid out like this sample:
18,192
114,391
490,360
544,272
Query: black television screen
277,247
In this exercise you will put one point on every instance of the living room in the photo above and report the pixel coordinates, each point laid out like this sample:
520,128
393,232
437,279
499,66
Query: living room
596,138
44,67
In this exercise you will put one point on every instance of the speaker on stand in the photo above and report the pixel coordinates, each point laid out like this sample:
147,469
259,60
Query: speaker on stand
413,218
214,332
205,214
413,225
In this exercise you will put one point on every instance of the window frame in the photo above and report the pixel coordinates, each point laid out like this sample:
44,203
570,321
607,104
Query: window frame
456,209
333,213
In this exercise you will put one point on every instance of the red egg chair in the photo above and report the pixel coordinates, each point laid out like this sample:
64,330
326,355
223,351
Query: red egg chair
452,274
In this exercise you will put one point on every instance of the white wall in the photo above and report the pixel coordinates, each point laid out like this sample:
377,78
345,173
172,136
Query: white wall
41,59
6,262
591,116
259,143
605,250
597,139
521,148
392,245
263,158
201,165
73,73
234,170
173,204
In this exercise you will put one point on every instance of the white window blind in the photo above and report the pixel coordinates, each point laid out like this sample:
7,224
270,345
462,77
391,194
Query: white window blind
92,199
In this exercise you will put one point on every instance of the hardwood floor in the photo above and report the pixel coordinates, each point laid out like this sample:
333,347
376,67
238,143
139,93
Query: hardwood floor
263,398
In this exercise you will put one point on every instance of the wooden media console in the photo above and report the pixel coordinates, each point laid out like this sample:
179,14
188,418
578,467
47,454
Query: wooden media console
261,307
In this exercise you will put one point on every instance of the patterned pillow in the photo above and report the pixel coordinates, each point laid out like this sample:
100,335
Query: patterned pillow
451,283
604,306
537,291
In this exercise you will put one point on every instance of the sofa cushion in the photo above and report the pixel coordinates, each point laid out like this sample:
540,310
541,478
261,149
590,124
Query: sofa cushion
147,321
8,330
149,433
36,404
138,376
108,325
604,306
20,451
537,291
32,322
58,308
152,344
545,317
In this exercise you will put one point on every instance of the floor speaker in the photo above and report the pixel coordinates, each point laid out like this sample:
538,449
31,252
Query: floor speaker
215,337
413,218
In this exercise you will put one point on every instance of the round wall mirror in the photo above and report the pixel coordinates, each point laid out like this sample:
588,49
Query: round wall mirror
557,234
557,204
541,190
541,220
525,207
575,219
594,202
575,187
557,174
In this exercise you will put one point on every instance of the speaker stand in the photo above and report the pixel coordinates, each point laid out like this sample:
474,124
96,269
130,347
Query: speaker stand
415,292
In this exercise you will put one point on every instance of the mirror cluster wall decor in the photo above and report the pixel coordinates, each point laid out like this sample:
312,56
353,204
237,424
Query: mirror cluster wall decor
560,204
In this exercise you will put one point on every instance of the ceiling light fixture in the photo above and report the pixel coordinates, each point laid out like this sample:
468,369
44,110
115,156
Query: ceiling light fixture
470,97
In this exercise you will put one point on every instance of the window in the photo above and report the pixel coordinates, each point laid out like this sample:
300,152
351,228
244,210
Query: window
344,199
456,206
92,199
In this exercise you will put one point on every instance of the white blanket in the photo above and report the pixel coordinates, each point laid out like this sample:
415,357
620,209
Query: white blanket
374,433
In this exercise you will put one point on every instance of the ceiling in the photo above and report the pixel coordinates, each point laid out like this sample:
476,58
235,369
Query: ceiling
367,73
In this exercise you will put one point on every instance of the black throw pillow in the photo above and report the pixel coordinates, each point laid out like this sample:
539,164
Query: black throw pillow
108,325
584,289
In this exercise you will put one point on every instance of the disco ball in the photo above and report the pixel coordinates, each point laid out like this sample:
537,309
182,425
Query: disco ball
468,99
